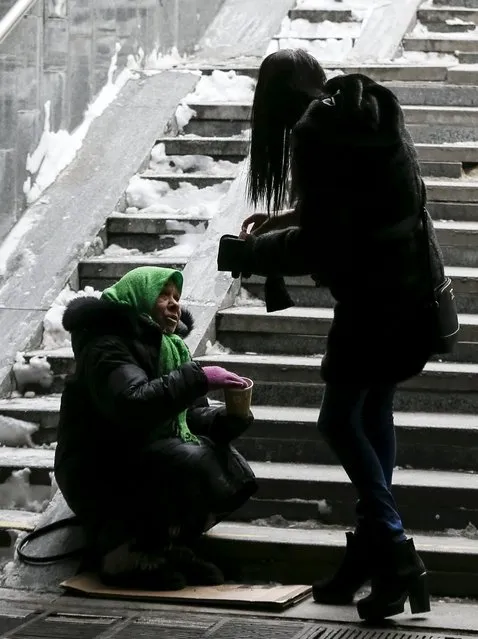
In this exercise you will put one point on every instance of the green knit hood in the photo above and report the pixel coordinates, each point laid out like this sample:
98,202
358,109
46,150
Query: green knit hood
140,289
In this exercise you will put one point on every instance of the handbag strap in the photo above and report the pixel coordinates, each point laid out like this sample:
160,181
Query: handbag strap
424,216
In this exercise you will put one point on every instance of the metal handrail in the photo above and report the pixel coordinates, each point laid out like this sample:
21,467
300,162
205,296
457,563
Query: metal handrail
13,17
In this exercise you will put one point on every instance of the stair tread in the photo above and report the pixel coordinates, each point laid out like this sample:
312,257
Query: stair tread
218,104
144,258
157,175
11,457
18,519
314,361
43,458
300,312
409,419
49,403
335,474
141,215
332,536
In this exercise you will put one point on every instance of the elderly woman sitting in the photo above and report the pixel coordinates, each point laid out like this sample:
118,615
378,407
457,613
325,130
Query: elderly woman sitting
142,459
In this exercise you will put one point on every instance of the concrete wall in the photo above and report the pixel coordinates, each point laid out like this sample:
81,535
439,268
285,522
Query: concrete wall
61,51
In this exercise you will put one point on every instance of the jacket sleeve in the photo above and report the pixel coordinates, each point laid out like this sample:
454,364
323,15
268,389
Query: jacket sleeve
286,252
121,390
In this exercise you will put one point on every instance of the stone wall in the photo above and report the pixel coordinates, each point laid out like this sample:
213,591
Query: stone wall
61,52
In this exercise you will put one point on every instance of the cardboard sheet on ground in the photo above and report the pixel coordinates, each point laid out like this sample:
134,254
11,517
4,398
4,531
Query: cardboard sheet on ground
271,597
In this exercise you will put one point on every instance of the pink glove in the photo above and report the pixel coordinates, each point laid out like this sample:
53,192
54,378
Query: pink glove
219,377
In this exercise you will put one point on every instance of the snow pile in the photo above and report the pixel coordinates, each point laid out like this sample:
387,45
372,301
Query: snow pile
324,50
16,492
16,432
459,22
304,29
157,198
244,298
36,372
57,149
183,115
54,335
184,247
155,60
471,532
216,348
423,57
185,164
223,86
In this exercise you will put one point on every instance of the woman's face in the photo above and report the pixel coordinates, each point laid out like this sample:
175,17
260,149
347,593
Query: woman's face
167,311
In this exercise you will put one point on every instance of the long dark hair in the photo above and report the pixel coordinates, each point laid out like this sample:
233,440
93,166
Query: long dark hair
288,81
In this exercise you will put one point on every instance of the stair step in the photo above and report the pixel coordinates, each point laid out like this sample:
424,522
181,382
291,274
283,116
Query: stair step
103,271
441,43
378,72
148,232
444,190
38,460
441,14
252,330
472,4
321,15
429,499
287,434
414,114
424,440
12,521
459,211
298,555
464,73
212,146
42,410
448,153
282,379
305,293
435,93
468,58
438,165
201,180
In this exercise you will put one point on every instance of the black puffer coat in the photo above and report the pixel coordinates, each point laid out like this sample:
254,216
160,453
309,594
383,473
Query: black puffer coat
359,191
115,405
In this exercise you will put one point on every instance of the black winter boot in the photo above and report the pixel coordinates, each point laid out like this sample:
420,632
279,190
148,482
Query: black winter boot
400,574
353,572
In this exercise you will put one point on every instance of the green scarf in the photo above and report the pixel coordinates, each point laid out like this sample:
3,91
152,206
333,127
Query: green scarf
140,289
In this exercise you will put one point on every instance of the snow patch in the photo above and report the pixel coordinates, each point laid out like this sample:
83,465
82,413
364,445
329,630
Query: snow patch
223,86
244,298
54,335
16,432
57,149
36,372
17,492
216,348
157,198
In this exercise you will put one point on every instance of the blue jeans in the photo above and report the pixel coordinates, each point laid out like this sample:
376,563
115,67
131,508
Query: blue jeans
358,425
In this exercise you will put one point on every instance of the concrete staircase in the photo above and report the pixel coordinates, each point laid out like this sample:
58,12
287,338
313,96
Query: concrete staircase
293,529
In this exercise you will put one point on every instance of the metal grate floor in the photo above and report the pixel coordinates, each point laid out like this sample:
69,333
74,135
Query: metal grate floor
180,625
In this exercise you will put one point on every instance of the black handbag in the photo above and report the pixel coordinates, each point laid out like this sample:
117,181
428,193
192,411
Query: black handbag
445,325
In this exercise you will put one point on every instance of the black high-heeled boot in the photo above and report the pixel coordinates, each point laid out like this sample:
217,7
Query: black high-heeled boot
399,575
353,572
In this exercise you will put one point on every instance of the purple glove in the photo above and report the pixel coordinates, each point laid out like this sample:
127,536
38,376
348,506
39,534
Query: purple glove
219,377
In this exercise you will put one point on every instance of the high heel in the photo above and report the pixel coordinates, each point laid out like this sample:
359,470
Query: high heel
400,575
419,595
351,575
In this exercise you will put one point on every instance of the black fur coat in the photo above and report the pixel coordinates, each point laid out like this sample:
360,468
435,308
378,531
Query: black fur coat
358,188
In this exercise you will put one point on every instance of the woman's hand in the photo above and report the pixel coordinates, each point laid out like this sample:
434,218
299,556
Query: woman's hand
219,377
257,220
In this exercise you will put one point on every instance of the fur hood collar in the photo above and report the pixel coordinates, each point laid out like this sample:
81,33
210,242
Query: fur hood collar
101,317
